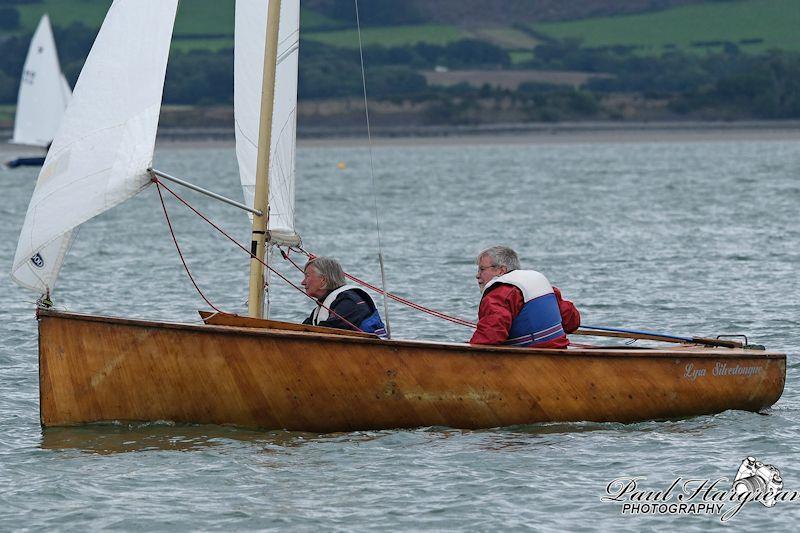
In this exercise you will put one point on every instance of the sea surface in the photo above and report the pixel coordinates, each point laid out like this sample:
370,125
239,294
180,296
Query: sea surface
682,237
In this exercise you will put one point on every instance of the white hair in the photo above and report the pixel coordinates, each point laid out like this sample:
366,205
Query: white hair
501,256
330,269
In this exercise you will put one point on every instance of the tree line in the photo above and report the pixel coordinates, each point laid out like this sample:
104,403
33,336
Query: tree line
722,84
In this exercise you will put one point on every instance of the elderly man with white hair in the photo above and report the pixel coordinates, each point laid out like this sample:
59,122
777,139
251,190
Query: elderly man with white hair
520,307
339,305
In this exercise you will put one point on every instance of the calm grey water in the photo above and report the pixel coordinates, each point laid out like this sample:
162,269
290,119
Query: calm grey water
689,238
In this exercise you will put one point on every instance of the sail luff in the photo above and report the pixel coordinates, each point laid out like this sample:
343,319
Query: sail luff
105,143
249,51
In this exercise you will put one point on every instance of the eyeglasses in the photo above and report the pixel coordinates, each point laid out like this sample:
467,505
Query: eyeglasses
481,269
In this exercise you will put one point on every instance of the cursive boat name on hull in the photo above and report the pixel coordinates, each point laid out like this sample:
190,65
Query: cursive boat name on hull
720,369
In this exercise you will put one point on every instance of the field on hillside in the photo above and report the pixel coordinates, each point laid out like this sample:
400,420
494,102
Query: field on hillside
199,24
63,12
507,38
390,36
754,25
195,17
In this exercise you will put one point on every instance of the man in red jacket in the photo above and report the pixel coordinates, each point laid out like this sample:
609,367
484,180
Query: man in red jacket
520,307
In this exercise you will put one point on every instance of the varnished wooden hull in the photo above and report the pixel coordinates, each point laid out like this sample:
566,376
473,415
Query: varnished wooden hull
95,369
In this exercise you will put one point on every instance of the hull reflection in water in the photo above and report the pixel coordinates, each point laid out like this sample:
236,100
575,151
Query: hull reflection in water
106,439
95,369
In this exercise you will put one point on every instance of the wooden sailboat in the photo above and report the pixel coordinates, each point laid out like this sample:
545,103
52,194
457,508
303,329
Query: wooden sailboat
257,373
43,95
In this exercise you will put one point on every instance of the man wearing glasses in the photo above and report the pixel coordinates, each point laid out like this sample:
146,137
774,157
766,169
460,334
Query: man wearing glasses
520,307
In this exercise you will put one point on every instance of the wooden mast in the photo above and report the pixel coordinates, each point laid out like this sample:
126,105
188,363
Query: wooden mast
255,305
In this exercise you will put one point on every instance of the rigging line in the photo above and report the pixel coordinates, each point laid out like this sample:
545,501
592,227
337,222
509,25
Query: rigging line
372,173
399,299
177,246
248,252
404,301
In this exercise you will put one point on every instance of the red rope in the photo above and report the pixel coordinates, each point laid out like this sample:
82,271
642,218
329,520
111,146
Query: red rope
177,246
223,232
285,255
400,299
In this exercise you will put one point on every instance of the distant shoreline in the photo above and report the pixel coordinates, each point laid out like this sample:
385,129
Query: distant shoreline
530,133
568,132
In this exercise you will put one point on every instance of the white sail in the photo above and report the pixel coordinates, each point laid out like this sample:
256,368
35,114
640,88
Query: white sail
250,36
105,143
66,92
42,99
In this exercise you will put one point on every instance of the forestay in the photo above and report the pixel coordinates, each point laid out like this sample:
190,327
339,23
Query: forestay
101,153
250,38
43,91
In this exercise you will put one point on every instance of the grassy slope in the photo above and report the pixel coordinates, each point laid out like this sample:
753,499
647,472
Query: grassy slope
195,17
390,36
63,12
774,21
210,18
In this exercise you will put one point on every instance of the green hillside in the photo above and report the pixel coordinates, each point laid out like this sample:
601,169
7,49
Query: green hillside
63,12
390,36
753,25
199,24
195,17
620,59
208,25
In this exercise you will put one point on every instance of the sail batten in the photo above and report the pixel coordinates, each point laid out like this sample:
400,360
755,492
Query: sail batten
105,144
250,36
43,91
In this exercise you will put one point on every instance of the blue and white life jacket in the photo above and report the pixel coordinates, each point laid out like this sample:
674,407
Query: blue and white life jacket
539,320
371,324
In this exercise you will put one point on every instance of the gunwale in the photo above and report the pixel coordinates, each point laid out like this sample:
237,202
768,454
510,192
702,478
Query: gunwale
683,351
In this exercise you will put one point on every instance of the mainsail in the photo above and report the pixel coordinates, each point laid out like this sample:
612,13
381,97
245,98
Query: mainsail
248,72
43,91
105,144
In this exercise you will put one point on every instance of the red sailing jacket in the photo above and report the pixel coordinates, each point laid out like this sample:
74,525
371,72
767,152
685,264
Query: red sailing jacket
504,302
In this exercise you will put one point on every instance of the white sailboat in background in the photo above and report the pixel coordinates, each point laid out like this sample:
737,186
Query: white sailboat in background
105,146
251,372
43,95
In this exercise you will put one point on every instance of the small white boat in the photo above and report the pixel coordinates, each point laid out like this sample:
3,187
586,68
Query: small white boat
43,95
